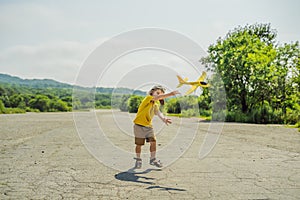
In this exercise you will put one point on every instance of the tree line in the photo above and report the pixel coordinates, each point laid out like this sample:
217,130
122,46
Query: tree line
21,99
15,98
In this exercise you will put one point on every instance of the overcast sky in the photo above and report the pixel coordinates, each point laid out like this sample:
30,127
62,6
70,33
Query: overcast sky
52,39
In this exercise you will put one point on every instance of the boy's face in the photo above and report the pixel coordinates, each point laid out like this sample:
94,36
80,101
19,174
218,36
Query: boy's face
157,92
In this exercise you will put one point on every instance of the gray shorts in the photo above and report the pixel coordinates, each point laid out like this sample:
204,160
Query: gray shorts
142,133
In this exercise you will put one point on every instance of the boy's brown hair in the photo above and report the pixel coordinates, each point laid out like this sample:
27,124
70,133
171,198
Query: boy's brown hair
158,87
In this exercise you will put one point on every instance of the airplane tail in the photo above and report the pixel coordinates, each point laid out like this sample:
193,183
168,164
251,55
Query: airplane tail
181,81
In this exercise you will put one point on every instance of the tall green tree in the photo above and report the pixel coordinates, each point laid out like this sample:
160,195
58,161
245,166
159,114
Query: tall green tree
286,76
243,59
257,73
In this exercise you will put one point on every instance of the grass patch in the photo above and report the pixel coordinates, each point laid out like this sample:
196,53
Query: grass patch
174,114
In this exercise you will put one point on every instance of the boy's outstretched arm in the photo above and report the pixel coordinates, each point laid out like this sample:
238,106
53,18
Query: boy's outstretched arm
167,121
163,96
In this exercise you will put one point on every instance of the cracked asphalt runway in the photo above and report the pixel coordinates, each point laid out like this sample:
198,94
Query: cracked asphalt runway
42,157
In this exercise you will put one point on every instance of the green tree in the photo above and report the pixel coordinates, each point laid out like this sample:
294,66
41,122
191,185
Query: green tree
287,76
204,100
134,102
243,59
2,107
260,77
58,105
124,103
40,102
103,100
2,91
15,100
188,106
67,99
173,106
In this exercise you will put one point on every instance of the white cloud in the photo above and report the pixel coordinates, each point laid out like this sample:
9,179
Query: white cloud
22,21
58,60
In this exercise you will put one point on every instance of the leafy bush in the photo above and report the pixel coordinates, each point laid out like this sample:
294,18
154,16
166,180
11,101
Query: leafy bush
262,114
14,110
189,113
173,106
219,116
2,108
40,102
133,103
124,103
292,116
205,113
58,105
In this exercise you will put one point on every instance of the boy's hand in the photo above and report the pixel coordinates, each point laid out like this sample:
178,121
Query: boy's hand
167,121
175,92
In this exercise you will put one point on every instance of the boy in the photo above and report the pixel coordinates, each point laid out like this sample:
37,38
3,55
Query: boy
143,123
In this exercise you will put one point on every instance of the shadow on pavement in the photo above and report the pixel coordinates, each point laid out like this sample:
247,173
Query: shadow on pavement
134,176
165,188
137,177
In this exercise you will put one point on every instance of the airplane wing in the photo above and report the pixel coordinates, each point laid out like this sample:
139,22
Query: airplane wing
193,88
202,77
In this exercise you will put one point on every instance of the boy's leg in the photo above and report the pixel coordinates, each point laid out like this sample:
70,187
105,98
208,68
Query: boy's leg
138,150
138,162
153,160
152,149
139,139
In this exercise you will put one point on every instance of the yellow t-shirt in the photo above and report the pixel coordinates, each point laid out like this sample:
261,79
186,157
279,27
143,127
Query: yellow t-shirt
146,111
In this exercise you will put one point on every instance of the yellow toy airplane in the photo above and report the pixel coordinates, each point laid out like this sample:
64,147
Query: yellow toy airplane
200,82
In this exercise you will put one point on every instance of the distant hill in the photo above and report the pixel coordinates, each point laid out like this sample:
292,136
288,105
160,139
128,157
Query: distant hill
49,83
33,83
120,91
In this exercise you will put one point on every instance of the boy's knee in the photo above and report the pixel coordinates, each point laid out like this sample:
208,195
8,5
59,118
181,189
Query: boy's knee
153,143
